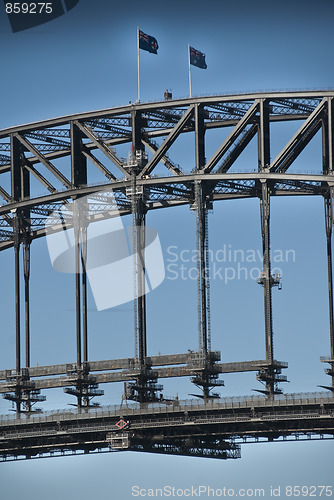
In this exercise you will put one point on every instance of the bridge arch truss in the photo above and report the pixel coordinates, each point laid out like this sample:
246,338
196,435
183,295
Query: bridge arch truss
58,157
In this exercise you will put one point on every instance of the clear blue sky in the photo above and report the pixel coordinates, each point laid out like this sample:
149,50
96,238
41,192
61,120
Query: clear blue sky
86,60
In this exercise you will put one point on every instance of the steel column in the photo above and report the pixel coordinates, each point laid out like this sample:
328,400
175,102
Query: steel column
16,180
141,297
138,214
329,234
263,165
264,136
330,135
77,300
16,227
201,232
83,244
144,389
78,160
265,225
327,161
142,393
201,243
136,131
206,377
26,240
21,230
26,269
79,179
77,258
199,137
136,128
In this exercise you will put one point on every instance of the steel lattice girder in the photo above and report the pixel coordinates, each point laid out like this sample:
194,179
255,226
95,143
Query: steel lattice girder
39,144
166,192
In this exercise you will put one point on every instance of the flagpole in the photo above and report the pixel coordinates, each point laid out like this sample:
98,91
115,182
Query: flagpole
189,70
138,64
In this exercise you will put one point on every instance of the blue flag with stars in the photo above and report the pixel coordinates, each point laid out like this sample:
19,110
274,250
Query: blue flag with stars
148,43
197,58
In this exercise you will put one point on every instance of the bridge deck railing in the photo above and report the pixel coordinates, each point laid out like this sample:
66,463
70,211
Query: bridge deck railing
235,402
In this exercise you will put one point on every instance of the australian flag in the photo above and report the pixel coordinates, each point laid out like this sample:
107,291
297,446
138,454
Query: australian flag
147,42
197,58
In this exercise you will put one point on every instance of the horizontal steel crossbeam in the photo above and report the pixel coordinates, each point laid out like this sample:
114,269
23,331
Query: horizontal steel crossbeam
117,371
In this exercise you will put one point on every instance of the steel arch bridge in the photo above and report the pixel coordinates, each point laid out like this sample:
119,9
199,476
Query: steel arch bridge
57,157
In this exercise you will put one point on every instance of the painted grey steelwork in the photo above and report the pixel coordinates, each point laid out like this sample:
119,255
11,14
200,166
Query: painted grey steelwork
37,151
212,428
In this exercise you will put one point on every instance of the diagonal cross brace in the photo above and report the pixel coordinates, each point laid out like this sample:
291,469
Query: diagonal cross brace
232,137
40,177
245,140
175,132
6,196
102,147
98,164
312,125
43,160
165,160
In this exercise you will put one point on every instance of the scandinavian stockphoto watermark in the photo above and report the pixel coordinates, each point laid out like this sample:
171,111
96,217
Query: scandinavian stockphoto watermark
91,228
225,264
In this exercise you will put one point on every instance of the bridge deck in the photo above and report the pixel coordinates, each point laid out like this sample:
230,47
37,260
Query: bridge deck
212,424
